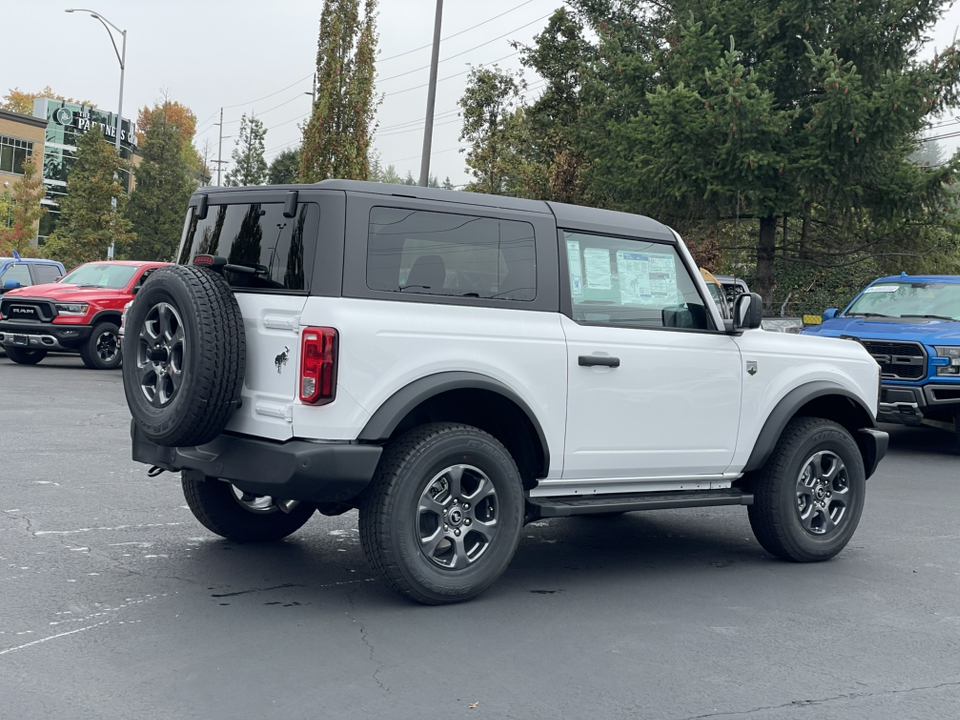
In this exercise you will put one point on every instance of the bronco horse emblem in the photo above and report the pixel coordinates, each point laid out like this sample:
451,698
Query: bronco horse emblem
281,359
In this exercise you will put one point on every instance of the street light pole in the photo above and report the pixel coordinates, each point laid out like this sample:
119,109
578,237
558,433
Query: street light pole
431,99
122,58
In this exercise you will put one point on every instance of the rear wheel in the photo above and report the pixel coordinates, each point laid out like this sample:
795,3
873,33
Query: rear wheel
441,520
101,351
809,496
235,515
23,356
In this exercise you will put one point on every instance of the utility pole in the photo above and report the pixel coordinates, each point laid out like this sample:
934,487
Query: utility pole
220,159
431,99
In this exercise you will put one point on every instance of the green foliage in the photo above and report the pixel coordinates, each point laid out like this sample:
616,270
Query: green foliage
249,165
285,168
20,210
802,118
337,138
88,221
164,185
492,120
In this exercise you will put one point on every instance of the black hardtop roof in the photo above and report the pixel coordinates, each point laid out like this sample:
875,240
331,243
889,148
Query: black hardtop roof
571,217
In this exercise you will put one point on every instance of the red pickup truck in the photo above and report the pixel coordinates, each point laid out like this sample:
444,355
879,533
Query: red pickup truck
80,313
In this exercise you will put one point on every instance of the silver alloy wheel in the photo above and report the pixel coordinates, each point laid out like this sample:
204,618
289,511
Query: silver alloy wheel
457,517
107,346
259,504
823,493
161,346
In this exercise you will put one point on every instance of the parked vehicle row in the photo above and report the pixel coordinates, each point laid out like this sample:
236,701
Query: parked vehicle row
79,314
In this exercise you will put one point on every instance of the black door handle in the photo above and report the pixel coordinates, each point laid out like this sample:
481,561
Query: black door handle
588,360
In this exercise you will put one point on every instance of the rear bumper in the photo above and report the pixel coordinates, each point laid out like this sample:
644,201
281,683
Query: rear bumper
292,470
62,338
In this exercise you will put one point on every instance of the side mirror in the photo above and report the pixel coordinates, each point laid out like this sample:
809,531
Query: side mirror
747,311
830,313
11,285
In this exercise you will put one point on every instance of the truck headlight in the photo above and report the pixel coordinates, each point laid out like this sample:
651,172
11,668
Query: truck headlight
951,354
72,308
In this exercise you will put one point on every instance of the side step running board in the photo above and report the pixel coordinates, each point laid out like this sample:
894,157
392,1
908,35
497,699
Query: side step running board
589,504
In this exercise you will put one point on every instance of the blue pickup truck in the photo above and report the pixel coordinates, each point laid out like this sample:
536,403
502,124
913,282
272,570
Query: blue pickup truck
911,326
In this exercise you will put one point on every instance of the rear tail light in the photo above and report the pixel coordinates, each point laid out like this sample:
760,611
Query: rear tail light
318,366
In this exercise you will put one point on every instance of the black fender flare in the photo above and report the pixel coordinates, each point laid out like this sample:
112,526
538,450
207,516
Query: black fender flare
789,405
110,315
384,421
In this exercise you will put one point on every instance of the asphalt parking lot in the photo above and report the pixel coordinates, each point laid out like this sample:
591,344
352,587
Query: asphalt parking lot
116,603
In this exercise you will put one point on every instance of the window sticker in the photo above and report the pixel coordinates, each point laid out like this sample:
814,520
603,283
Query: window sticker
576,273
597,264
881,289
647,278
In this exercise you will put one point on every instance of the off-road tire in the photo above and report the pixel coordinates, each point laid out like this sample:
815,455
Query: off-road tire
214,503
104,336
391,513
780,501
209,356
23,356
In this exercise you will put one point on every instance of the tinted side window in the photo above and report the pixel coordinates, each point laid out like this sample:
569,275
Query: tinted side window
46,273
18,272
432,253
634,283
255,236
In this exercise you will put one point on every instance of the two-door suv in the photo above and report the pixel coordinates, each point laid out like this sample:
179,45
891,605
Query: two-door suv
80,313
455,365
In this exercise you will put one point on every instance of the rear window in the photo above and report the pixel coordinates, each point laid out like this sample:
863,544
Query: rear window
432,253
255,236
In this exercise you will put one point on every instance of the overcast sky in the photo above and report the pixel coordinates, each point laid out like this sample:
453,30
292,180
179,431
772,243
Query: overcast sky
259,56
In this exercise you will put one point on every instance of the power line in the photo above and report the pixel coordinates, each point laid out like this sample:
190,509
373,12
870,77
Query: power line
474,27
464,52
413,157
448,77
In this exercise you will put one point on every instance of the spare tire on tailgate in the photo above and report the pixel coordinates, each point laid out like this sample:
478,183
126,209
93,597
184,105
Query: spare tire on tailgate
183,356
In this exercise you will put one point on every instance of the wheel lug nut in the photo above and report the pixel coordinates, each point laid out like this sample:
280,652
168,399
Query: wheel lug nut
457,533
467,521
466,506
446,527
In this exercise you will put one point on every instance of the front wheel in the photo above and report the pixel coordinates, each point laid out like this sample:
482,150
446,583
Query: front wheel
22,356
809,496
101,351
235,515
442,518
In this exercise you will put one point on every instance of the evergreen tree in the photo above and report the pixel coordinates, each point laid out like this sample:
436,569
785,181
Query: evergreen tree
447,185
683,109
165,181
337,138
249,165
22,209
88,221
285,168
391,176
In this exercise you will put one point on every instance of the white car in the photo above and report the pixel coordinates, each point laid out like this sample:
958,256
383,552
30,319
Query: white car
456,365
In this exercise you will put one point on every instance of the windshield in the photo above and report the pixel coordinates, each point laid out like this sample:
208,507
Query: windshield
909,299
101,275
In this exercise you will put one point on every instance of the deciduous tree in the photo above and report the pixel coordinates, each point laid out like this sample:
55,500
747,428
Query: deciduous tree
18,101
492,113
22,206
337,138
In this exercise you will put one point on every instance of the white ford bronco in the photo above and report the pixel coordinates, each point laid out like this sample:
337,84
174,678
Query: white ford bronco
456,365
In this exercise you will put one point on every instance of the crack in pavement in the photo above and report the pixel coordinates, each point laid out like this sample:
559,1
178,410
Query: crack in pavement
369,645
821,701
